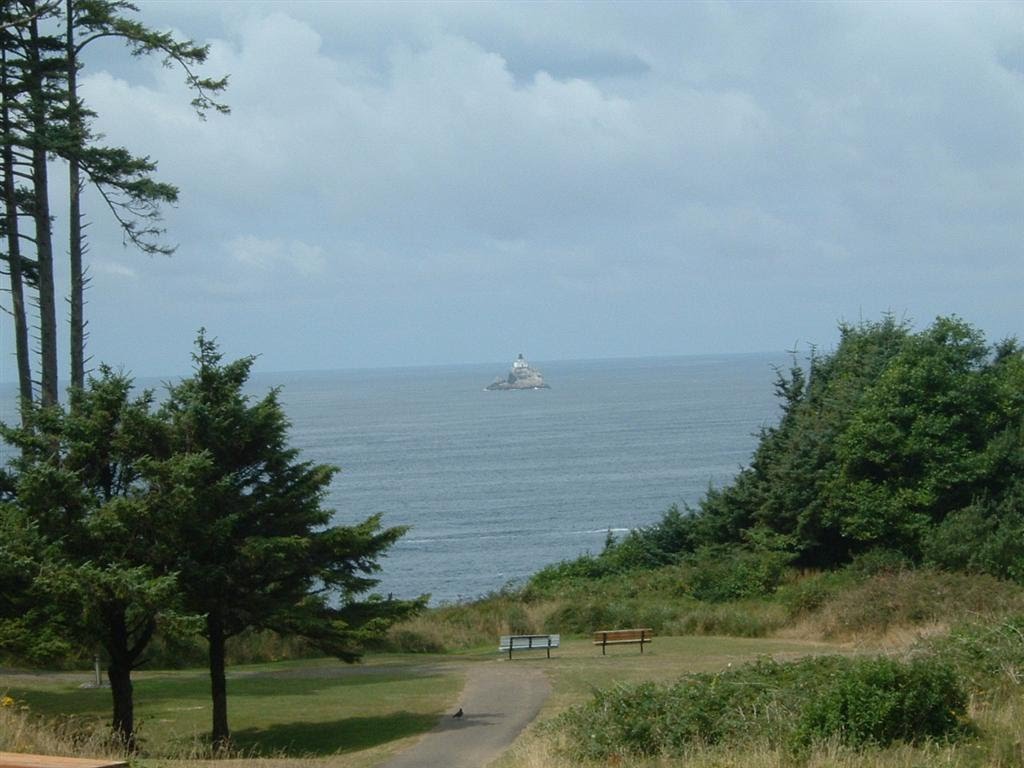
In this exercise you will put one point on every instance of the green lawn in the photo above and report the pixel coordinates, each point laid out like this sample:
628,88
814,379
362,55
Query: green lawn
326,712
578,667
313,708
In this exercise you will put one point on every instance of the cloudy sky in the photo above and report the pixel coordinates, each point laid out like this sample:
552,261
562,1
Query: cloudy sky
417,183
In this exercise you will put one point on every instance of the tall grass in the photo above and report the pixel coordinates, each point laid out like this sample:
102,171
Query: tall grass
468,625
875,605
1002,752
66,736
888,602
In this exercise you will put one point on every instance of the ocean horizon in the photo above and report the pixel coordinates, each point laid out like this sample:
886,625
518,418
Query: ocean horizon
494,485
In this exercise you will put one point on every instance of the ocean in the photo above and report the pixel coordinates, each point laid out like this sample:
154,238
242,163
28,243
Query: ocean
495,485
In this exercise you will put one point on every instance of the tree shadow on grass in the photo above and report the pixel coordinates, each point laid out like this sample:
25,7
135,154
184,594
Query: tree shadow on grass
306,739
154,693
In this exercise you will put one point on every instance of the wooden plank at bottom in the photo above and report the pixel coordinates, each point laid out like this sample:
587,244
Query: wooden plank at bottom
19,760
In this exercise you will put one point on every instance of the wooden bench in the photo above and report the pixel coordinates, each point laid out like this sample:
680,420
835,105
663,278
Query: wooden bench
527,643
606,637
19,760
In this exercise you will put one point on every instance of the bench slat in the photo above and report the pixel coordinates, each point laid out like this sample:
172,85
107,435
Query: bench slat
606,637
19,760
527,643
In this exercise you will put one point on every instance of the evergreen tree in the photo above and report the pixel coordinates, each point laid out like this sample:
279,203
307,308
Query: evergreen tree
897,440
125,182
881,442
12,91
41,72
257,549
43,117
86,544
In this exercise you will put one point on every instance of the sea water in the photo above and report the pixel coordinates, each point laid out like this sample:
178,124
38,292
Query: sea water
495,485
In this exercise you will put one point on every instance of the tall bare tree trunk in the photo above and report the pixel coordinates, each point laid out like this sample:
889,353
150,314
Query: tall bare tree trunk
14,249
41,211
77,299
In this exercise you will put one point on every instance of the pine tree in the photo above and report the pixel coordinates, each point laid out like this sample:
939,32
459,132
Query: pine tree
124,181
11,91
258,548
44,117
86,523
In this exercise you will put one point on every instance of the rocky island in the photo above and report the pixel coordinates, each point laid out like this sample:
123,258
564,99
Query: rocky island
521,376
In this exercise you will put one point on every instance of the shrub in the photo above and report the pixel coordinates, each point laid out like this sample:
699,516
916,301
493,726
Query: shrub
988,656
701,709
583,617
555,578
879,701
878,561
981,538
808,594
642,549
725,573
794,705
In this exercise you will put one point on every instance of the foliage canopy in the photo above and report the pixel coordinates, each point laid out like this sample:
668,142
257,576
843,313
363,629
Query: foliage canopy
911,442
121,517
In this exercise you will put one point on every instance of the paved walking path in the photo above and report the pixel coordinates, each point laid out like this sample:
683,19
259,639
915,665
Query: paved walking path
499,700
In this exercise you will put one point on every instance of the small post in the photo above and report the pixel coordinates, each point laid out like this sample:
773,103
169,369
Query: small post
96,667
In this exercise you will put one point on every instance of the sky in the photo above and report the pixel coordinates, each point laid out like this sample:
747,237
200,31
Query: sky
403,184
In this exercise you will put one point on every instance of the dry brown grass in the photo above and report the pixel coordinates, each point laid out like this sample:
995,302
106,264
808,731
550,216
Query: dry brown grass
891,604
537,752
21,731
471,625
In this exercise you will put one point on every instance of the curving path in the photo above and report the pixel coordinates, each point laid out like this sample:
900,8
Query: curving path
500,698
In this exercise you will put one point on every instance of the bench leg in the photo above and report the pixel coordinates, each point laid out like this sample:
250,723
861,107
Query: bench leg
510,652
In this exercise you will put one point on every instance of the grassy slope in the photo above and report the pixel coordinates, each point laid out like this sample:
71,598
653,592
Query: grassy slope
321,712
302,709
310,710
999,742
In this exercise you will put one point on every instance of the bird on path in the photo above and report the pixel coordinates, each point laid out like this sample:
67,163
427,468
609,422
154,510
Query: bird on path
459,713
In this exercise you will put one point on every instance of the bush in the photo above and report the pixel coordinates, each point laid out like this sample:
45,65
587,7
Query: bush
794,705
981,538
466,625
555,578
878,561
879,701
642,549
988,656
808,594
724,573
583,617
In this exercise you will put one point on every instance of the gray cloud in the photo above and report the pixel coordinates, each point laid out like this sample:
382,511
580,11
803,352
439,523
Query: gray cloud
407,183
